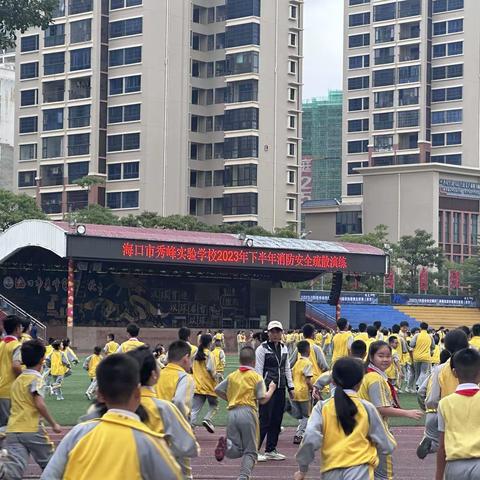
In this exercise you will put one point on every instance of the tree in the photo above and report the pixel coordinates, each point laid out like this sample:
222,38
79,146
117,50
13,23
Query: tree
20,15
378,238
89,181
414,252
471,274
95,214
15,208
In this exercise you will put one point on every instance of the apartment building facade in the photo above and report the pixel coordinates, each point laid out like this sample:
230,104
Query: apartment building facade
183,107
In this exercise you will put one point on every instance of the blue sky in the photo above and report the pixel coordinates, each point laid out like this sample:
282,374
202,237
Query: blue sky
323,45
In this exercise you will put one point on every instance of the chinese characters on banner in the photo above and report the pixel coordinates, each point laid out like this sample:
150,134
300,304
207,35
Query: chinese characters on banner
232,256
454,279
306,185
390,280
423,280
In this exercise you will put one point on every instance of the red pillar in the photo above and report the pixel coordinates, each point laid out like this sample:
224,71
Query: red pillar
70,297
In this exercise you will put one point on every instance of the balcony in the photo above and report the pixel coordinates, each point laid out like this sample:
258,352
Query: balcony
51,175
54,91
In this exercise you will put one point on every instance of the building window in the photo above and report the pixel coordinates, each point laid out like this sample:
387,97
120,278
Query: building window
125,113
447,49
409,74
291,149
353,166
59,10
292,67
291,205
54,35
29,44
448,27
51,203
385,34
242,8
53,119
28,97
240,147
27,179
409,118
117,200
52,147
358,19
80,88
358,83
28,70
76,171
384,99
78,144
354,189
409,8
125,85
241,119
349,223
447,116
240,204
358,104
245,34
81,31
447,71
80,6
453,159
382,78
292,122
384,56
53,63
440,6
240,175
80,59
79,116
114,171
124,142
238,63
125,56
358,2
387,11
447,94
446,139
28,124
125,28
408,96
292,39
358,125
291,176
361,40
28,151
116,4
357,146
292,94
382,143
293,12
359,61
383,121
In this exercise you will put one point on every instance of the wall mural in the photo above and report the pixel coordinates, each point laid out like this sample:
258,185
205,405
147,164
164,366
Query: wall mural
116,300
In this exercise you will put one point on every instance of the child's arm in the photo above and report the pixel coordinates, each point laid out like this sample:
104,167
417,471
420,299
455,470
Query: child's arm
42,409
184,395
312,441
221,389
441,457
400,412
17,362
222,359
271,388
320,357
86,363
308,374
211,365
380,436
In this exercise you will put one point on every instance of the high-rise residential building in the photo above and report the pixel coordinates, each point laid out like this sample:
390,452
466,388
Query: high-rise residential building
322,144
411,123
184,107
7,123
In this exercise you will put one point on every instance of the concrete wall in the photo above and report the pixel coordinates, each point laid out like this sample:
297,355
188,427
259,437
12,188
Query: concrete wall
280,299
322,225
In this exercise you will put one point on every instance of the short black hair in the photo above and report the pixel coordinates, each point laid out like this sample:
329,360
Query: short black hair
218,341
56,344
372,331
465,329
303,347
118,377
445,355
308,330
184,333
358,349
392,338
146,362
342,323
25,325
377,324
395,328
424,326
362,327
97,350
404,323
111,335
466,363
247,356
133,329
456,340
11,323
32,352
177,350
476,330
66,342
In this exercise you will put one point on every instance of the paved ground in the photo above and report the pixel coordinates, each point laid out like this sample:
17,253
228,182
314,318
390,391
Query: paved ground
407,465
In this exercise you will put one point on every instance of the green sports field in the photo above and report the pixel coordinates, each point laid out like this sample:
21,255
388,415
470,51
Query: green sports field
66,412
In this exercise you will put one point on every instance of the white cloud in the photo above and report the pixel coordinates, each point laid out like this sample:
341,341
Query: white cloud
323,47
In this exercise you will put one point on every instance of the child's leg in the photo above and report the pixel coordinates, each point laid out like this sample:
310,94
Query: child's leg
360,472
4,411
212,408
197,404
304,410
431,431
463,469
17,460
92,388
384,471
234,439
40,446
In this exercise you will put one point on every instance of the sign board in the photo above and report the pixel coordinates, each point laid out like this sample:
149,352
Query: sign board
433,300
306,185
249,258
314,296
459,189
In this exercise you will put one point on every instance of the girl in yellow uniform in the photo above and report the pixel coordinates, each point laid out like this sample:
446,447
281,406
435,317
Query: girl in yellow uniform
59,366
204,374
348,430
378,390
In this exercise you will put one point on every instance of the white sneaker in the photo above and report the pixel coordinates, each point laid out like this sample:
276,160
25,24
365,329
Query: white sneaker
261,458
274,455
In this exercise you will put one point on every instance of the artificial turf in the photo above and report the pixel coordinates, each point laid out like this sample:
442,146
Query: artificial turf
67,411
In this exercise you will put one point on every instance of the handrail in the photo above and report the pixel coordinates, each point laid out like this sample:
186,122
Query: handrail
18,310
328,320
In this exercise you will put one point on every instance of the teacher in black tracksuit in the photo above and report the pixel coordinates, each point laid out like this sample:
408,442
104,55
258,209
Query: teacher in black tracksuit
273,365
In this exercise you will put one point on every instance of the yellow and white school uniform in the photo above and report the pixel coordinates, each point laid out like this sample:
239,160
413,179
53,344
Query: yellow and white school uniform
341,345
130,344
220,362
111,347
475,342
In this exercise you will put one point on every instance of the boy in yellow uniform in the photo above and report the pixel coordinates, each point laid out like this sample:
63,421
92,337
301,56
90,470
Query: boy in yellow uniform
90,365
422,345
243,389
118,445
133,342
220,360
59,365
302,374
362,332
459,422
111,346
175,383
436,350
10,363
475,340
71,356
26,434
327,343
394,371
342,341
184,334
163,417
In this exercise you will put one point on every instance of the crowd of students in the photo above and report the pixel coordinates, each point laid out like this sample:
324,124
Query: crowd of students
147,402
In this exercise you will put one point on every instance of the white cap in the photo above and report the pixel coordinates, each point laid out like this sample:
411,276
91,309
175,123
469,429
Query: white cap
274,324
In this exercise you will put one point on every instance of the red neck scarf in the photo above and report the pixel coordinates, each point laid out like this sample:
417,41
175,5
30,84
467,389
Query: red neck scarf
393,390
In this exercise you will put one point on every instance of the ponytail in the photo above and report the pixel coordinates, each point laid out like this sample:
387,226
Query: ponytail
346,410
205,342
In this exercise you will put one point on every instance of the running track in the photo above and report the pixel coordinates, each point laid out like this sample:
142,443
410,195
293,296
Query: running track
407,465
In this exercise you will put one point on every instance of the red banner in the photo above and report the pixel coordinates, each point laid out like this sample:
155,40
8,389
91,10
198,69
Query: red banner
390,280
306,185
454,279
423,280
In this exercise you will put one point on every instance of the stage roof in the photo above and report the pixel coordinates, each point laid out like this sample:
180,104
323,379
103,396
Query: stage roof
191,249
